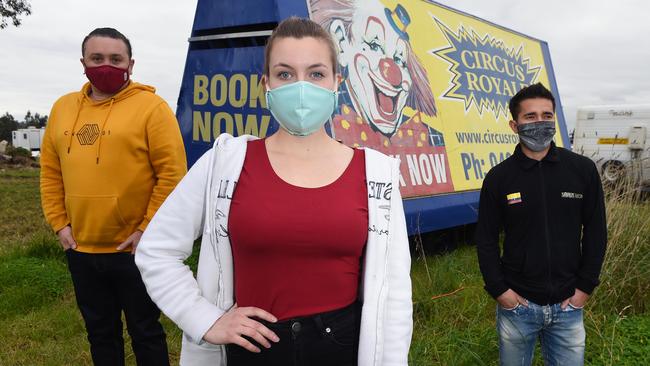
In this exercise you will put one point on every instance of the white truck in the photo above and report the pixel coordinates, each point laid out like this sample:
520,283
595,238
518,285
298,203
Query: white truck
616,138
28,138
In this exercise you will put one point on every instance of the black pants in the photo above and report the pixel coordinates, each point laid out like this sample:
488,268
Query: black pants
326,339
105,285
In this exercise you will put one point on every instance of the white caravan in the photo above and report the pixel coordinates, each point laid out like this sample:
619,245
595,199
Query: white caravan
616,138
28,138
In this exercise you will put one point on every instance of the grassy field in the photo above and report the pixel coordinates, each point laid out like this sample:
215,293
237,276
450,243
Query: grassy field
41,324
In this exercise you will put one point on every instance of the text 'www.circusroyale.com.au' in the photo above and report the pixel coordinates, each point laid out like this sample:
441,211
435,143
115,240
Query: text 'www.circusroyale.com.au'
487,138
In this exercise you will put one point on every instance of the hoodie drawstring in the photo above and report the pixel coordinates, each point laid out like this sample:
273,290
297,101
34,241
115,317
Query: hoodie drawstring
76,119
101,130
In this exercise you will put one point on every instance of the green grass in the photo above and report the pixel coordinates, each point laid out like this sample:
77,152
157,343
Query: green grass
21,218
459,329
41,324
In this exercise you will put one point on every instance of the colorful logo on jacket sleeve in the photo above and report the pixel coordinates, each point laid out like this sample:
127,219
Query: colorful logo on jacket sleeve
514,198
486,72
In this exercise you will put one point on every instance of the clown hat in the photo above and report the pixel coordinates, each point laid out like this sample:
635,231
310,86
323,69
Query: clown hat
399,19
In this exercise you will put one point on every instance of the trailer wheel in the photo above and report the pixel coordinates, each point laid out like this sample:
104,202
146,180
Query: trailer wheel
613,171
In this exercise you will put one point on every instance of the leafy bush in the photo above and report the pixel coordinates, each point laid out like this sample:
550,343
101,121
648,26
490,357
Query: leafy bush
18,151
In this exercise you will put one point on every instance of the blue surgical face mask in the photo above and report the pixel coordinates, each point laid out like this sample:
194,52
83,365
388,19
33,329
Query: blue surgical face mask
301,108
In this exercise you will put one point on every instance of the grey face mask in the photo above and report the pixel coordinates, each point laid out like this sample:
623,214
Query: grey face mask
536,136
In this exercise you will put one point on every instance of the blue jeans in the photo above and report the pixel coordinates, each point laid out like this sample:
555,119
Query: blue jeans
561,334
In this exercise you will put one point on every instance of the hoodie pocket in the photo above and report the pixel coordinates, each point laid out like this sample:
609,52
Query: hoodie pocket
95,219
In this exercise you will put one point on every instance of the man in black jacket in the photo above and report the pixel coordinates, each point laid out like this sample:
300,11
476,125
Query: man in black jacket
549,202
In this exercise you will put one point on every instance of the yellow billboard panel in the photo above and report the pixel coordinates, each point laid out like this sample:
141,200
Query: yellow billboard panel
429,85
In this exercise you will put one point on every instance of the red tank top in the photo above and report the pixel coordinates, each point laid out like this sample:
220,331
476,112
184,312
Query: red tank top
297,251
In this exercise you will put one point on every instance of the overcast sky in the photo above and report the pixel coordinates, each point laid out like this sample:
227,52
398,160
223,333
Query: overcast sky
600,49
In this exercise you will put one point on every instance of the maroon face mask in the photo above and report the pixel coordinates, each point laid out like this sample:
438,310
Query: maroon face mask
108,79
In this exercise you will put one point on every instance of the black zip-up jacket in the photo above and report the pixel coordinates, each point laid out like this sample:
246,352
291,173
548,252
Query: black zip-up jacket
553,215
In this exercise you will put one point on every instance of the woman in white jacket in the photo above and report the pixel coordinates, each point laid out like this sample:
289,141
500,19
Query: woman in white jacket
304,255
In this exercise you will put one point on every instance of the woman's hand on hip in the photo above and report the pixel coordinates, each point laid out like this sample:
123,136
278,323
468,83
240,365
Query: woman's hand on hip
239,322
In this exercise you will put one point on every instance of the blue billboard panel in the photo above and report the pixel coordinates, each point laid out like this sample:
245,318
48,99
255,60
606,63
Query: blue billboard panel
222,91
212,14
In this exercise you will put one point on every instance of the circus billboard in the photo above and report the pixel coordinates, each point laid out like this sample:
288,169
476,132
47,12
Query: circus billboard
429,85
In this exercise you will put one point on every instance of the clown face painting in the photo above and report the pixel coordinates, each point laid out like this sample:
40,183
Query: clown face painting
375,58
382,74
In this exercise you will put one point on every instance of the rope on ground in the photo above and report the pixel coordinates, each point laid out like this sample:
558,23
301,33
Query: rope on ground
435,297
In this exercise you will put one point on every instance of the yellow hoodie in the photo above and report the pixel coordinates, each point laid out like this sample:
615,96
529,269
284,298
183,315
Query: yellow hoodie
107,166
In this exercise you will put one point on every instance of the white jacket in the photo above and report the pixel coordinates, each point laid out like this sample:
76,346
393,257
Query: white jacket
199,206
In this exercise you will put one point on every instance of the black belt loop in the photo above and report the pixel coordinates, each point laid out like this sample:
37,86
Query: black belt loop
319,323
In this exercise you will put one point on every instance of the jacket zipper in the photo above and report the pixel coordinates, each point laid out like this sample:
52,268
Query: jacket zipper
547,234
379,300
214,241
215,244
383,282
213,235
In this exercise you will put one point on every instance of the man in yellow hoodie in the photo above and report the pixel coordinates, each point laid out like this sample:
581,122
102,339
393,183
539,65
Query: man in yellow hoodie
111,154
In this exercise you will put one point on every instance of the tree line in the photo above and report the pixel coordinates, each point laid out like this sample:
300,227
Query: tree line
11,11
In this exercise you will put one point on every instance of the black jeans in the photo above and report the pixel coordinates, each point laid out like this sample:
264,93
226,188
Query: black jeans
105,285
326,339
